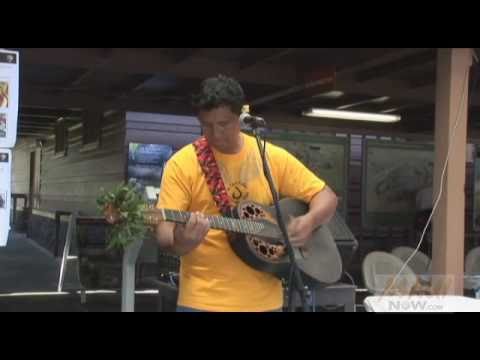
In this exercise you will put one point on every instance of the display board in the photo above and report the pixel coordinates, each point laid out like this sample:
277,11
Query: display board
8,98
393,175
145,165
5,197
326,156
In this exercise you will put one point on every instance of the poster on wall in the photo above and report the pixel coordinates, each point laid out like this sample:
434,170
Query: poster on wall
325,156
145,165
393,176
9,84
5,174
476,190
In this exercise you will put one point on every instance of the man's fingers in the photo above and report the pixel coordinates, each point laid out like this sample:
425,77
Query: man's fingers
291,220
192,220
293,240
203,223
293,229
198,223
195,219
201,219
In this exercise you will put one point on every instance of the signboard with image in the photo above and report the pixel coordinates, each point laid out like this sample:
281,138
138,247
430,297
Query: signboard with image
5,183
8,98
326,156
394,175
145,166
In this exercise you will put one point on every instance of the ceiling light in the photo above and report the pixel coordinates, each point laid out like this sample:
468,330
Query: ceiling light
330,94
378,100
351,115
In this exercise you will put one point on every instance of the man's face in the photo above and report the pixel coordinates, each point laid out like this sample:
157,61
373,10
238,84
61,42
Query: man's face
221,127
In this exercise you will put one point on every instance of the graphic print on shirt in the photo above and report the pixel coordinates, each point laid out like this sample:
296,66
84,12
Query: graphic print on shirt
238,177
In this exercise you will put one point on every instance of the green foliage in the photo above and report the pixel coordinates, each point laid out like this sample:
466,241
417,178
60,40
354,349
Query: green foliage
125,204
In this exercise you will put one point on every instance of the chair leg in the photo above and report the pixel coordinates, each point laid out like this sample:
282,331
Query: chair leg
83,297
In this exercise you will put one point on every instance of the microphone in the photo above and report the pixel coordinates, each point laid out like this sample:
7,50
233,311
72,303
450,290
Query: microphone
252,121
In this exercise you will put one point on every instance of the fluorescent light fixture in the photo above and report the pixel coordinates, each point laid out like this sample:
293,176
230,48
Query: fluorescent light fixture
378,100
330,94
387,111
351,115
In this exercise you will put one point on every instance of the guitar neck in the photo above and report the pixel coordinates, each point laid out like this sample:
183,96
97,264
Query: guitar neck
153,217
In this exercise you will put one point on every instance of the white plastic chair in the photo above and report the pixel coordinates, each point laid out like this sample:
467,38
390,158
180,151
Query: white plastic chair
472,271
379,268
472,262
420,262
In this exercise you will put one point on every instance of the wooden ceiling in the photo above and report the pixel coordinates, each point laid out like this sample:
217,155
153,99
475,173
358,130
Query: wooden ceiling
64,82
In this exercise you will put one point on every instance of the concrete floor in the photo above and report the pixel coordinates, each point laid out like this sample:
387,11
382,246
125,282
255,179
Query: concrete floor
27,268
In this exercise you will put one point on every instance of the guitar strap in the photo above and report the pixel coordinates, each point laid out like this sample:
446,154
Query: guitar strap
210,169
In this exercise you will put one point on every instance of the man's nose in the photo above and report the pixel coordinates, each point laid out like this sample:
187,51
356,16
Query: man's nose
217,132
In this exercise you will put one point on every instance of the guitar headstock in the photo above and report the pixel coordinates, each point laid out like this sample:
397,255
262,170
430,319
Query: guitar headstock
151,215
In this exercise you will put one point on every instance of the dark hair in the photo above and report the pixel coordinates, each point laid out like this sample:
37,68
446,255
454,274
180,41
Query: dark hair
219,91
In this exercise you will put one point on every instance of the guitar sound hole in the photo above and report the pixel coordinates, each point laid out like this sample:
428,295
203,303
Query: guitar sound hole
263,249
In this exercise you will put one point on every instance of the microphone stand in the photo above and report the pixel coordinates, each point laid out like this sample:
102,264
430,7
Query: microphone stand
295,276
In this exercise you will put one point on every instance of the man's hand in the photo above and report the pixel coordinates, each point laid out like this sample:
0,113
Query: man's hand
322,208
300,230
193,233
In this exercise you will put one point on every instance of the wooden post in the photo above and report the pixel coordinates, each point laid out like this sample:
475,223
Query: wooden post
453,66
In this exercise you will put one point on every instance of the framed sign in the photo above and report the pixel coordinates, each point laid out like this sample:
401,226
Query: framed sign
5,183
476,190
8,98
145,165
393,175
326,156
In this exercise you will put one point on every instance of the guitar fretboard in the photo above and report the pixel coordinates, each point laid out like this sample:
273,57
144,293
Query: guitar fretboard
216,222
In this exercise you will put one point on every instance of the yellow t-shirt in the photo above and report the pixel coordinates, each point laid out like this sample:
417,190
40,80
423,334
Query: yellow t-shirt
213,277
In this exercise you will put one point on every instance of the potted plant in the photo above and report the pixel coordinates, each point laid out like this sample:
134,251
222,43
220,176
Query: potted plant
123,208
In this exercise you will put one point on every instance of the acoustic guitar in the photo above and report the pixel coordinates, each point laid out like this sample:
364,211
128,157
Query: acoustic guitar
256,238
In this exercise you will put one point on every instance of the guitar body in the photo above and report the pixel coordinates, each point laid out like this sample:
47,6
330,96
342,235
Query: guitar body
320,262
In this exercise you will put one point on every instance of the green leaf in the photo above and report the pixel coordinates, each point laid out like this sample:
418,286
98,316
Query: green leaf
127,199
